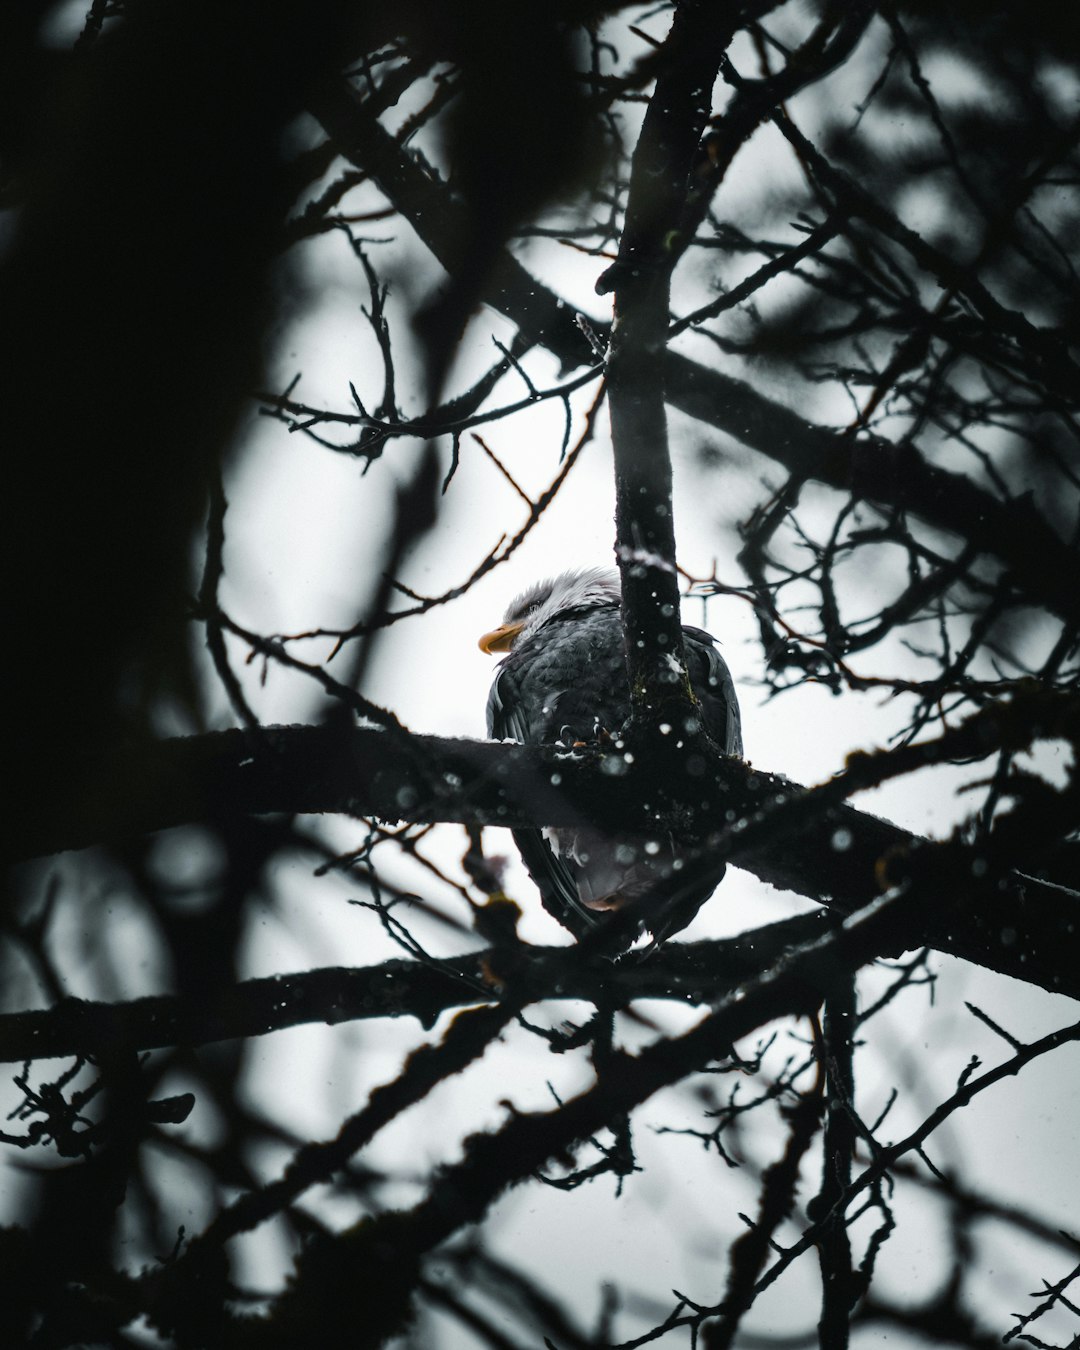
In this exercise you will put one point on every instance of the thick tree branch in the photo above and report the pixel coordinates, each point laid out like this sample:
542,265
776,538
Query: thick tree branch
809,842
839,1288
641,279
688,973
889,475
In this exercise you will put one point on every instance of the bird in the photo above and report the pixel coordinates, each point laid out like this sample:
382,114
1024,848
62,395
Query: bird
563,681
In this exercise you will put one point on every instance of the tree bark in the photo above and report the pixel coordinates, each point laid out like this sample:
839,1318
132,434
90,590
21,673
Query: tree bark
798,839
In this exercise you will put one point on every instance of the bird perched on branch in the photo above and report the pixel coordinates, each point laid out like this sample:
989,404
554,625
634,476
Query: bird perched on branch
564,680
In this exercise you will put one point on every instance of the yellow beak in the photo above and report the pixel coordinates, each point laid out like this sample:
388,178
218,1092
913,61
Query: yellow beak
500,639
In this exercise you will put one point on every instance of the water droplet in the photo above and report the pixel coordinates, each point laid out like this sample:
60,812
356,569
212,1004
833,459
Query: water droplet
841,840
613,766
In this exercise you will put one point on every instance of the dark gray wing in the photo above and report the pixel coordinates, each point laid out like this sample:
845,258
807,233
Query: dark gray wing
507,720
715,689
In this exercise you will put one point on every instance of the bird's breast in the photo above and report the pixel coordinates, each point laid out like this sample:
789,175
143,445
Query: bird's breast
571,679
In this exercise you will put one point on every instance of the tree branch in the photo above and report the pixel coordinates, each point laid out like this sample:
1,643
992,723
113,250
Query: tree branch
868,467
641,279
688,973
803,840
323,1296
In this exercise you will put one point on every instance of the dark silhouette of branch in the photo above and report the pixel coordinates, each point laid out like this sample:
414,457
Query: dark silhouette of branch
690,973
839,1286
891,474
807,841
660,181
772,246
322,1296
886,1156
748,1254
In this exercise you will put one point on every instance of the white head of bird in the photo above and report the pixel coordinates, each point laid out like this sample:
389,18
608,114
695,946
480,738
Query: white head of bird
578,588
